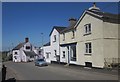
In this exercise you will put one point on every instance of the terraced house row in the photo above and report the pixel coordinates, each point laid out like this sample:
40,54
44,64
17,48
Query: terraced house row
91,41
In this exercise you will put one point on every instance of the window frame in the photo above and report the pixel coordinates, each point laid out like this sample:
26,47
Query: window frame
88,48
63,56
47,55
54,40
87,29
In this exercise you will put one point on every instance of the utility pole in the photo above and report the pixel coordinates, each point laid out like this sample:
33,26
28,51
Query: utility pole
42,38
42,44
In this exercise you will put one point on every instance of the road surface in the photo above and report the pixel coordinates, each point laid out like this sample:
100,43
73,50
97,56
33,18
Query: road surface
27,71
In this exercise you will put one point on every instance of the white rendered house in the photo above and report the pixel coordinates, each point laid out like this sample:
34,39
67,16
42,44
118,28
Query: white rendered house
24,52
55,43
47,52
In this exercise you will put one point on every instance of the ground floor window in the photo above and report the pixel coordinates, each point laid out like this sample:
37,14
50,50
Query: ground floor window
63,54
55,51
88,48
15,57
48,54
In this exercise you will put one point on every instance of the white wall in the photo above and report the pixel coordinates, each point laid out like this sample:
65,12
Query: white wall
111,40
54,45
17,55
47,49
28,44
65,60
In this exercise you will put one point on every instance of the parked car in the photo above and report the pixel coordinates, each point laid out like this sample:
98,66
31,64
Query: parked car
40,62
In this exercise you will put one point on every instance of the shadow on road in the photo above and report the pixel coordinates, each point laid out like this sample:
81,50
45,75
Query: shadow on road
9,80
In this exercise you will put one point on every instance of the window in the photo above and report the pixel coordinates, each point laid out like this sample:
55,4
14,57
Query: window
88,48
15,57
63,36
39,52
31,56
54,38
27,47
55,52
63,54
15,52
47,54
87,28
73,34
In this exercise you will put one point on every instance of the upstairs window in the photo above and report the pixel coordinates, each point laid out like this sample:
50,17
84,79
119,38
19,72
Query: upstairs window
87,29
54,38
15,52
88,48
73,34
63,36
27,47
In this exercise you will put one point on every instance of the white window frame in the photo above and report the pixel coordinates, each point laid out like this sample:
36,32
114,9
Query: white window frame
87,29
54,39
88,48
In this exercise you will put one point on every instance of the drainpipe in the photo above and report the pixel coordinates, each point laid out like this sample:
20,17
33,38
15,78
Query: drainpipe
59,49
68,55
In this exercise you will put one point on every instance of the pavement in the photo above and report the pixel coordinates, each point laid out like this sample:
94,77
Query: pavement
11,74
99,70
27,71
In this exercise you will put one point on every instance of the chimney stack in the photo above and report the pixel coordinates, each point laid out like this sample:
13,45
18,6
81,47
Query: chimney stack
72,21
26,39
94,7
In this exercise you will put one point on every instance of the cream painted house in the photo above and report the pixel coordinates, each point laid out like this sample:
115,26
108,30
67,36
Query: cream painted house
68,43
92,41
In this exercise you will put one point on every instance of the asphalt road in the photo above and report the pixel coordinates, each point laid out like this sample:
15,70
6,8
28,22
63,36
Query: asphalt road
27,71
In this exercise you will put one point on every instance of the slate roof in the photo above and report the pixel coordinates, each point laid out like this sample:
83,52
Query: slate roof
58,28
19,46
105,14
106,17
30,53
47,44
